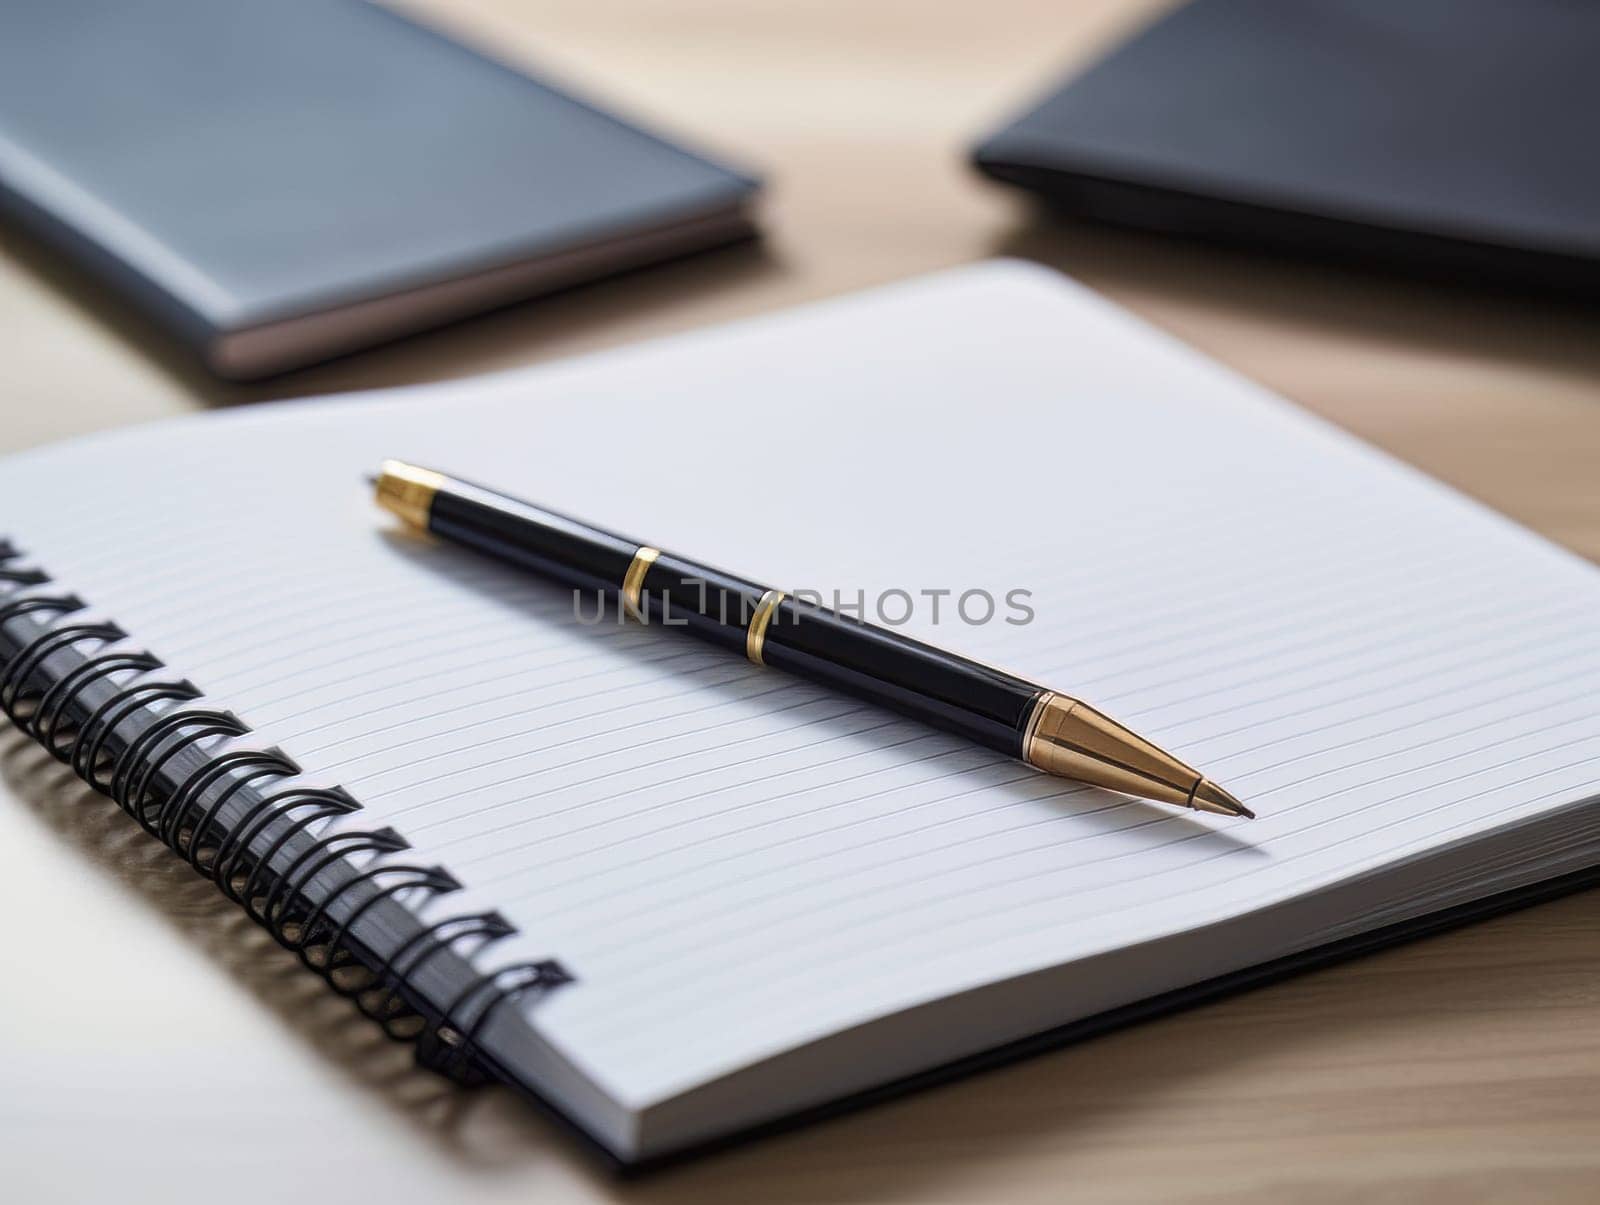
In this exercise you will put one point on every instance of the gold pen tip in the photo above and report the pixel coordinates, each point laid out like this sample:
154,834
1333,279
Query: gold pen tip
1209,797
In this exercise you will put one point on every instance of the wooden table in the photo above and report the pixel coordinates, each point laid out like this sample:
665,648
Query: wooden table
152,1051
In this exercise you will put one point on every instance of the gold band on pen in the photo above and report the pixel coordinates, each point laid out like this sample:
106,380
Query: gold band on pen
756,636
1041,706
633,580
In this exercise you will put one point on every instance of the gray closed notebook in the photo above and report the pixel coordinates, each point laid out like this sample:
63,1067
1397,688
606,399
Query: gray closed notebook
279,183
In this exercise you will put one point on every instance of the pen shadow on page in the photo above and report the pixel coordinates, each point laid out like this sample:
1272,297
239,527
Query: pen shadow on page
1165,825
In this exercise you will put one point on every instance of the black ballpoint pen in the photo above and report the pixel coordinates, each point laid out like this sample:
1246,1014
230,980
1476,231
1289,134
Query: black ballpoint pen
1050,731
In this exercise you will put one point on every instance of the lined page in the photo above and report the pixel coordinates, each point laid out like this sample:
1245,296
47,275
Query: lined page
733,862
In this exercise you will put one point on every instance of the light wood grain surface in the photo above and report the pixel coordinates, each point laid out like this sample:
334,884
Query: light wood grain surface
150,1049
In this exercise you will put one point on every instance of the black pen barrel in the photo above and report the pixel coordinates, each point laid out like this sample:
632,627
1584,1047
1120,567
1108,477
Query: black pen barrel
856,658
979,702
711,603
545,542
1051,732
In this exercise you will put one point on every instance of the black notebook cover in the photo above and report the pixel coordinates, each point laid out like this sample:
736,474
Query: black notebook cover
277,183
1449,137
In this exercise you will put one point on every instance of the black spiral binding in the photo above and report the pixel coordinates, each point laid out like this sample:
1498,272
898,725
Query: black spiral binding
186,818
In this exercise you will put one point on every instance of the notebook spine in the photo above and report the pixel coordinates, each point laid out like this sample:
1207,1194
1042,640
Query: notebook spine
240,817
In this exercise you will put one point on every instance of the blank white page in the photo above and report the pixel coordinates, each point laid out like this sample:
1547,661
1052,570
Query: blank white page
732,862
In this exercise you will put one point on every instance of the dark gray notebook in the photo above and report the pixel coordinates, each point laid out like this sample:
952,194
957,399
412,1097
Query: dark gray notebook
1449,137
278,183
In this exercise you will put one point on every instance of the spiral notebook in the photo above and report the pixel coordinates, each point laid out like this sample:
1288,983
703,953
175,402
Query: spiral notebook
675,896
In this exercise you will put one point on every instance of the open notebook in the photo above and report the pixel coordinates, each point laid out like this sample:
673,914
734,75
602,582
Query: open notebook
735,896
